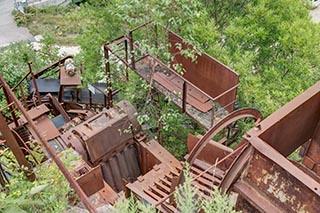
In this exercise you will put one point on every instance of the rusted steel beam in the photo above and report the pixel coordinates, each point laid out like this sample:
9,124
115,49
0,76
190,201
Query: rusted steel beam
23,97
235,169
50,151
126,58
21,80
141,26
57,105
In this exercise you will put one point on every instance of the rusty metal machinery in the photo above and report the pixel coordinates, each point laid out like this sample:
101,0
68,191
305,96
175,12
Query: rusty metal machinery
118,156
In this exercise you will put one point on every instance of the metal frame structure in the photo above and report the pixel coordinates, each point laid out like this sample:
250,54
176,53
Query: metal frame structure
204,85
118,156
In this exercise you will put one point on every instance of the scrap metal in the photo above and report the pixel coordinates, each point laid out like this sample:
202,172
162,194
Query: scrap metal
118,156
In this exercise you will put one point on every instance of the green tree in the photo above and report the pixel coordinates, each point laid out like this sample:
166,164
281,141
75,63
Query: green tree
277,39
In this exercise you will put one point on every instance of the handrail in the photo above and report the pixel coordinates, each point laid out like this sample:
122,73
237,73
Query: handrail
21,80
140,26
54,64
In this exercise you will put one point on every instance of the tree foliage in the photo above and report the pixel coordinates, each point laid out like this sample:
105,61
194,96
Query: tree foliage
276,43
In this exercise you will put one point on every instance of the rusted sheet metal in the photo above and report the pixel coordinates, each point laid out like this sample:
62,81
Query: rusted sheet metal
278,186
123,165
90,180
156,153
311,158
293,124
207,73
45,127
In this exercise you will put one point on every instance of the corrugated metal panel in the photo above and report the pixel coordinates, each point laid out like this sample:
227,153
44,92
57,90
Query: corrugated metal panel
124,165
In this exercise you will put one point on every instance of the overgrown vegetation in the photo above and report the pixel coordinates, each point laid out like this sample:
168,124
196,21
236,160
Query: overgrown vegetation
50,192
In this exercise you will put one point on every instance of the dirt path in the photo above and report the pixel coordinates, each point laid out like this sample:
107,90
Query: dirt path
9,32
315,14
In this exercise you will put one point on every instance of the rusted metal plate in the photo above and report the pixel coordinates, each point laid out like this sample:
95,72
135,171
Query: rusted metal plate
102,134
92,181
208,74
212,152
156,151
191,90
293,124
279,187
36,112
45,127
250,200
66,80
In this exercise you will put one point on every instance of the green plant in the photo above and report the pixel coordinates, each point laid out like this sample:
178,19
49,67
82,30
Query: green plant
48,193
130,205
185,194
219,203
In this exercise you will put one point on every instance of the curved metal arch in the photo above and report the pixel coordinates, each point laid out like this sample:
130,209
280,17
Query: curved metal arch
230,118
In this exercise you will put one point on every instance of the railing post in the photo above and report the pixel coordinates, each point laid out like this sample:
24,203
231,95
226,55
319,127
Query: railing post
133,63
126,50
156,35
108,74
34,82
212,114
184,96
23,97
90,99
